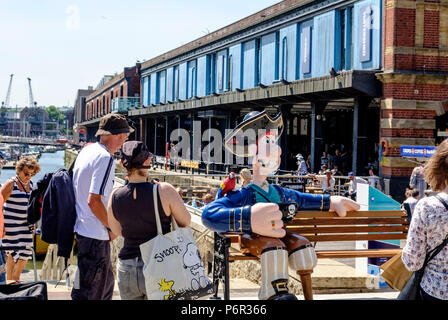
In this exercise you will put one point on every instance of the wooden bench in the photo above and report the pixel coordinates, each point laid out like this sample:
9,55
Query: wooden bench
317,227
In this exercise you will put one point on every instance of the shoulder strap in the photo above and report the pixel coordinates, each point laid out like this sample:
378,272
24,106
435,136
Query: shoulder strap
441,200
156,209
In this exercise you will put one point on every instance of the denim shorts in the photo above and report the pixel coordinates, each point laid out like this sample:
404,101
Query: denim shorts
131,282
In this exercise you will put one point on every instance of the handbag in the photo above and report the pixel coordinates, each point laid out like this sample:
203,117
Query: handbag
411,290
395,273
173,268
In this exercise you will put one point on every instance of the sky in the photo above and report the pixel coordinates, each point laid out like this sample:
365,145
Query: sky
64,45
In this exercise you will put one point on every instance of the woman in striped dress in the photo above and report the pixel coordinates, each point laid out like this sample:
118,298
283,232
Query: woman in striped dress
18,232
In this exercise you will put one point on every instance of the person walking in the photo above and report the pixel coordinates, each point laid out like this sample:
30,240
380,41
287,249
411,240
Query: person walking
18,232
93,179
130,214
429,228
417,180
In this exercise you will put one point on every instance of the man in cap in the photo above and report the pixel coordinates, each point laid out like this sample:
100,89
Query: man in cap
93,179
254,210
353,188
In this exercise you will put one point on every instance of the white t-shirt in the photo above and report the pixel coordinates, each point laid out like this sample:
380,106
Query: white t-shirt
324,182
93,172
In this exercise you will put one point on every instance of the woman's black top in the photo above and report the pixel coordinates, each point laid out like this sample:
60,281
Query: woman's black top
136,216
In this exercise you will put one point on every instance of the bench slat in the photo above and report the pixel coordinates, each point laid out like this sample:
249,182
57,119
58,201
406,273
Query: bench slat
357,237
241,256
321,230
371,253
360,221
352,214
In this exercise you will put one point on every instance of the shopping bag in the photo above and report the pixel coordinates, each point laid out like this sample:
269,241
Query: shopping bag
173,268
24,291
411,290
395,273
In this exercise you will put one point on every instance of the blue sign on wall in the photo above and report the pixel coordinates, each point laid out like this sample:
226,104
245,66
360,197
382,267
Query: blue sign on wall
417,151
305,44
365,33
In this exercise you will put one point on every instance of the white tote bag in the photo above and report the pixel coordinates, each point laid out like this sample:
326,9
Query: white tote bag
173,268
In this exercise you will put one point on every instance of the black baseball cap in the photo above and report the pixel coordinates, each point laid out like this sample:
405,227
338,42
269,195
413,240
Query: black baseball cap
133,154
113,123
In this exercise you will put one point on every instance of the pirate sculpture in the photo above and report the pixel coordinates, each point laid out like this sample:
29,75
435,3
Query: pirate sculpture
256,209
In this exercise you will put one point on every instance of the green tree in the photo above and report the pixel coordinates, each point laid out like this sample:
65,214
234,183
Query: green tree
55,114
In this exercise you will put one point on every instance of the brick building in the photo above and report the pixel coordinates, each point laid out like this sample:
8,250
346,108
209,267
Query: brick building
345,74
415,83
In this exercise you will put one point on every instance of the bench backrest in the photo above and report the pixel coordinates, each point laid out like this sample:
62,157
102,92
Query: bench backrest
357,225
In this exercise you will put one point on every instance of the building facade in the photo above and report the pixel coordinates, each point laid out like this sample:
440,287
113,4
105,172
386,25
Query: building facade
118,94
79,114
364,77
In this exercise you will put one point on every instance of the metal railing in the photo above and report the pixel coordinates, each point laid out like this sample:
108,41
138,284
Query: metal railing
340,188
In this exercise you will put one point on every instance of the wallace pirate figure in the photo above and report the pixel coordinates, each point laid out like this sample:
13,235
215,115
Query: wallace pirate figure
256,210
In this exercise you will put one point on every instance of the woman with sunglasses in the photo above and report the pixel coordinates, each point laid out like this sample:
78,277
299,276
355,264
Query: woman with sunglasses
18,232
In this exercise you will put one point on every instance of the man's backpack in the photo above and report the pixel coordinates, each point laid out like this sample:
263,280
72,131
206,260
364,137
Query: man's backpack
59,212
34,209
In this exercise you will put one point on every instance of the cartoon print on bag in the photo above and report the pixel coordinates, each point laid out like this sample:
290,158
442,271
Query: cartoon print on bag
167,286
192,260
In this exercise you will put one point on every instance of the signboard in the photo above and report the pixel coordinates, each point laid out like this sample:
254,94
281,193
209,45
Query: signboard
305,39
417,151
189,164
365,33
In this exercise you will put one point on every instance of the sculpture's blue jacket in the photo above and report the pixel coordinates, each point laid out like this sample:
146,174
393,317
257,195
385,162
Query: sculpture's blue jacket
232,212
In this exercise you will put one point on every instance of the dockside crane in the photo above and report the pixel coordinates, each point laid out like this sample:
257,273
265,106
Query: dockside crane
32,102
5,104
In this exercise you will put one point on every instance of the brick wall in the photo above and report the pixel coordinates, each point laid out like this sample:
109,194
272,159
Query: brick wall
99,103
415,60
431,29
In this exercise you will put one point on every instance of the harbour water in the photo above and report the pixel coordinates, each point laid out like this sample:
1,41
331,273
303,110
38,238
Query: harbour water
49,162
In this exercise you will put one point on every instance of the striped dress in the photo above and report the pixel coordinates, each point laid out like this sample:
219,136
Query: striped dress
17,228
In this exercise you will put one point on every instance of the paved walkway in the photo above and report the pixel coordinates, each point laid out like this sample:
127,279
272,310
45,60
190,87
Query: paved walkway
240,289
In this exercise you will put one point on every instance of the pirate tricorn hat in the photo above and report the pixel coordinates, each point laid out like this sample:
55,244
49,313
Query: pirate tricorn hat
248,132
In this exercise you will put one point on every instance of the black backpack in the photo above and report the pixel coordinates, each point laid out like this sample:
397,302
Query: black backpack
59,212
34,209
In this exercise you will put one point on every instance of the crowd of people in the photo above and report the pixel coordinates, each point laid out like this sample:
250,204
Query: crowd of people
330,167
339,162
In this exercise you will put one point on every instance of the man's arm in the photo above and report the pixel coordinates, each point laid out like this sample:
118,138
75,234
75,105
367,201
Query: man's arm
96,205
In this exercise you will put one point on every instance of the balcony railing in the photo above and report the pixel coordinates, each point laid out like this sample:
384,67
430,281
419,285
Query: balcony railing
123,104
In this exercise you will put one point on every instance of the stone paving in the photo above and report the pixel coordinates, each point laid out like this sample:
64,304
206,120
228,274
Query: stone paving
240,289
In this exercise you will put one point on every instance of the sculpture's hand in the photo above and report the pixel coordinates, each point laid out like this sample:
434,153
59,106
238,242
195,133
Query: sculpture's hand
341,205
266,220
